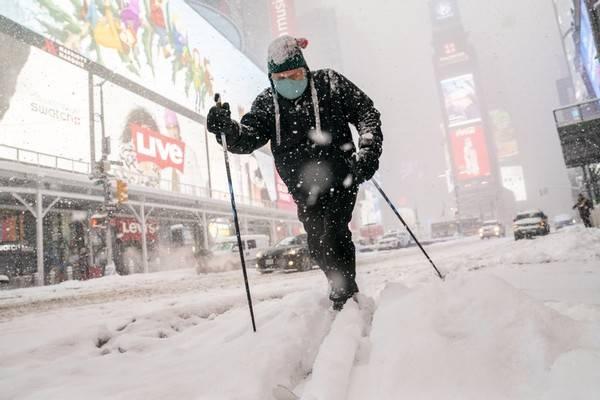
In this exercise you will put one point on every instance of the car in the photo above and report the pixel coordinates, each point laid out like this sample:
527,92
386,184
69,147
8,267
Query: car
563,220
393,240
224,254
532,223
491,229
365,246
290,253
227,248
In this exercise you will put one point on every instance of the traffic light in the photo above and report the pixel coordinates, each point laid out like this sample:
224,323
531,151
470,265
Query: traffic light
122,194
98,221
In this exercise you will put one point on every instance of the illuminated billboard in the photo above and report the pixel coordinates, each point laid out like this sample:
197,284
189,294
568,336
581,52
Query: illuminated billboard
43,107
587,50
444,10
460,99
513,179
163,45
154,146
283,17
284,198
469,153
44,102
504,134
258,171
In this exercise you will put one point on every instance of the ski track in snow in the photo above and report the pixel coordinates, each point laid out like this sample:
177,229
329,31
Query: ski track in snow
340,351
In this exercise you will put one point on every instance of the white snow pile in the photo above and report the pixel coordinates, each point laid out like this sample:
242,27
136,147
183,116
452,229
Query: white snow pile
577,244
476,337
201,352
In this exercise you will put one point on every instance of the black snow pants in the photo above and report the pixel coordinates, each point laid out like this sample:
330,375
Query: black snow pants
330,240
586,218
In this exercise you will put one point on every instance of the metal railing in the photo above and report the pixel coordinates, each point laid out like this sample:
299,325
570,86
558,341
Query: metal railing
192,190
43,160
577,113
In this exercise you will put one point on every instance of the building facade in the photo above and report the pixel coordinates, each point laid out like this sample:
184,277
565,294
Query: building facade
484,179
127,95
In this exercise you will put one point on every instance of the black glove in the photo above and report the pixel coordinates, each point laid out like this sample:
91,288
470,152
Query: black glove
219,120
364,165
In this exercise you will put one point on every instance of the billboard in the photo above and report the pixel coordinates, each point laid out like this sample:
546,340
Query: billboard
284,198
283,17
444,10
43,107
587,50
504,134
154,146
258,178
369,206
513,179
44,102
163,45
130,230
469,153
460,99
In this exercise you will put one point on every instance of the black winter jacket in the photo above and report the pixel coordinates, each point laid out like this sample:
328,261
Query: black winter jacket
307,161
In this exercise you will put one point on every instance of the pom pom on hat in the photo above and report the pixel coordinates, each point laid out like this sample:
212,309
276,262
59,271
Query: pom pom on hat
285,53
302,42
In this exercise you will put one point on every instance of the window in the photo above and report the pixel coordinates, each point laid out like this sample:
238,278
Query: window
251,244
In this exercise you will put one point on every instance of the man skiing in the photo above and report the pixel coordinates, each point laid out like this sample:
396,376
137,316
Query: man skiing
585,207
306,115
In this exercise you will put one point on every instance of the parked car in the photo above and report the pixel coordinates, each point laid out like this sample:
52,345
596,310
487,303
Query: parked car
563,220
365,246
490,229
226,250
393,240
530,223
289,254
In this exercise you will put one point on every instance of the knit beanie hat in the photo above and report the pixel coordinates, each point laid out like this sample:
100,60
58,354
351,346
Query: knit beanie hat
285,53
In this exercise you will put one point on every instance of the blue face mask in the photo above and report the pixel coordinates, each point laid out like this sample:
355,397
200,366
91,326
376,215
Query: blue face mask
289,88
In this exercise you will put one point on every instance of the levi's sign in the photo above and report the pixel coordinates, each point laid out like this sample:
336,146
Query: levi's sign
151,146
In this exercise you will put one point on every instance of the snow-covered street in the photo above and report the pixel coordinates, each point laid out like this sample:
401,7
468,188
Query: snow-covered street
513,320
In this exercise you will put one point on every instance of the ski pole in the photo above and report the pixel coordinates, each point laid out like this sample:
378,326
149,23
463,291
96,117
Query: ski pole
406,226
235,218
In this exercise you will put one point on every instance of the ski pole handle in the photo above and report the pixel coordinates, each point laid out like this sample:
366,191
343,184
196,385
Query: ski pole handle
219,104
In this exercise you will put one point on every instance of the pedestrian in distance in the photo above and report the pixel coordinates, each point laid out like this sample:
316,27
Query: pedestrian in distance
305,115
585,207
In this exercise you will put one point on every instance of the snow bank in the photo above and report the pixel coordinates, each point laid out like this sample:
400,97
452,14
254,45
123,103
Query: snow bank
192,352
576,244
476,337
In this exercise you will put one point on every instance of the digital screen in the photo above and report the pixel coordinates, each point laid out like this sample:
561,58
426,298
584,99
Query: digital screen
460,99
470,154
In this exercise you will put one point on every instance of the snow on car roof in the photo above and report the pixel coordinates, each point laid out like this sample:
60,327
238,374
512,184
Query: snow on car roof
529,212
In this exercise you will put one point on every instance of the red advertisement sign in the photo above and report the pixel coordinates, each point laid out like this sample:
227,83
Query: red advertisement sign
151,146
284,198
469,152
283,17
129,230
